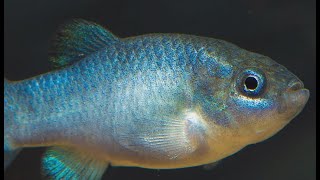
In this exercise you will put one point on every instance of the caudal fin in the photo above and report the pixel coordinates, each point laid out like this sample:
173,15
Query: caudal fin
9,152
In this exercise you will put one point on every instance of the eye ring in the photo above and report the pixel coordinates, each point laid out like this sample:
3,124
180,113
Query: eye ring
252,82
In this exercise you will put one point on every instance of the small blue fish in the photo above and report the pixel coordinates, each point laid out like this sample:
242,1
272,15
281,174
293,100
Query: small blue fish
153,101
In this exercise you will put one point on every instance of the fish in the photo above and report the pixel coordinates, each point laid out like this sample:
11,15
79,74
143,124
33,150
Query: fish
156,101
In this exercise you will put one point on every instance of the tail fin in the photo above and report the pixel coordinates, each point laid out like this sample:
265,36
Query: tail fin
9,152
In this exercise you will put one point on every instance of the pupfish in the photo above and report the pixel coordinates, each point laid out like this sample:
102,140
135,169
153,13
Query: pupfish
157,101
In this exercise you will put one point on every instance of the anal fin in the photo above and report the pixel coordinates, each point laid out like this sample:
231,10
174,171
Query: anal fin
64,163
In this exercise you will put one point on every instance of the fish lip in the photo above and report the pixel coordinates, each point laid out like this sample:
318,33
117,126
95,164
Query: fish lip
295,100
295,85
296,93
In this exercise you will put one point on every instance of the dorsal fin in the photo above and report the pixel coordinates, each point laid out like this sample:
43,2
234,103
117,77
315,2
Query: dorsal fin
77,39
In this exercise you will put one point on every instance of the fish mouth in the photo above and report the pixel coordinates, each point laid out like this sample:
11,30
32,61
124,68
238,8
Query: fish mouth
299,97
296,89
295,85
296,97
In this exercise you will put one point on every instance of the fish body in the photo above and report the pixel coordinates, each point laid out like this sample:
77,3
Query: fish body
154,101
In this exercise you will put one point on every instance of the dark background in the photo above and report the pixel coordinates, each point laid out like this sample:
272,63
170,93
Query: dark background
282,30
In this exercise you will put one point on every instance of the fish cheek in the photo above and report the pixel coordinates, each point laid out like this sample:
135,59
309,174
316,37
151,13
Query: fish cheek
282,105
246,110
257,119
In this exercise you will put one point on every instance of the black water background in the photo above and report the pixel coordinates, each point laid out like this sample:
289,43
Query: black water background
283,30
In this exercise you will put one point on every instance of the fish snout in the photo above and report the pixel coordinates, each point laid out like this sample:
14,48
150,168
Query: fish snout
296,97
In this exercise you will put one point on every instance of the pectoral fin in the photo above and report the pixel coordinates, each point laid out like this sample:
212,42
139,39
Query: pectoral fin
64,163
166,139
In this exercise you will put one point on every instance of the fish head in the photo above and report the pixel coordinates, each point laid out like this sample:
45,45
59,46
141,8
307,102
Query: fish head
257,100
264,97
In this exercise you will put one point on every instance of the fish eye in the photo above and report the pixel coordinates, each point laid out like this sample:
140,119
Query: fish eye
252,82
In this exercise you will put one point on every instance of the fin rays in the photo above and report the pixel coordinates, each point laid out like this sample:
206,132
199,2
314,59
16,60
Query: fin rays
78,39
64,163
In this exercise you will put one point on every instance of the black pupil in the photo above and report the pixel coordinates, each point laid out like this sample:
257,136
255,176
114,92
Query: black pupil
251,83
